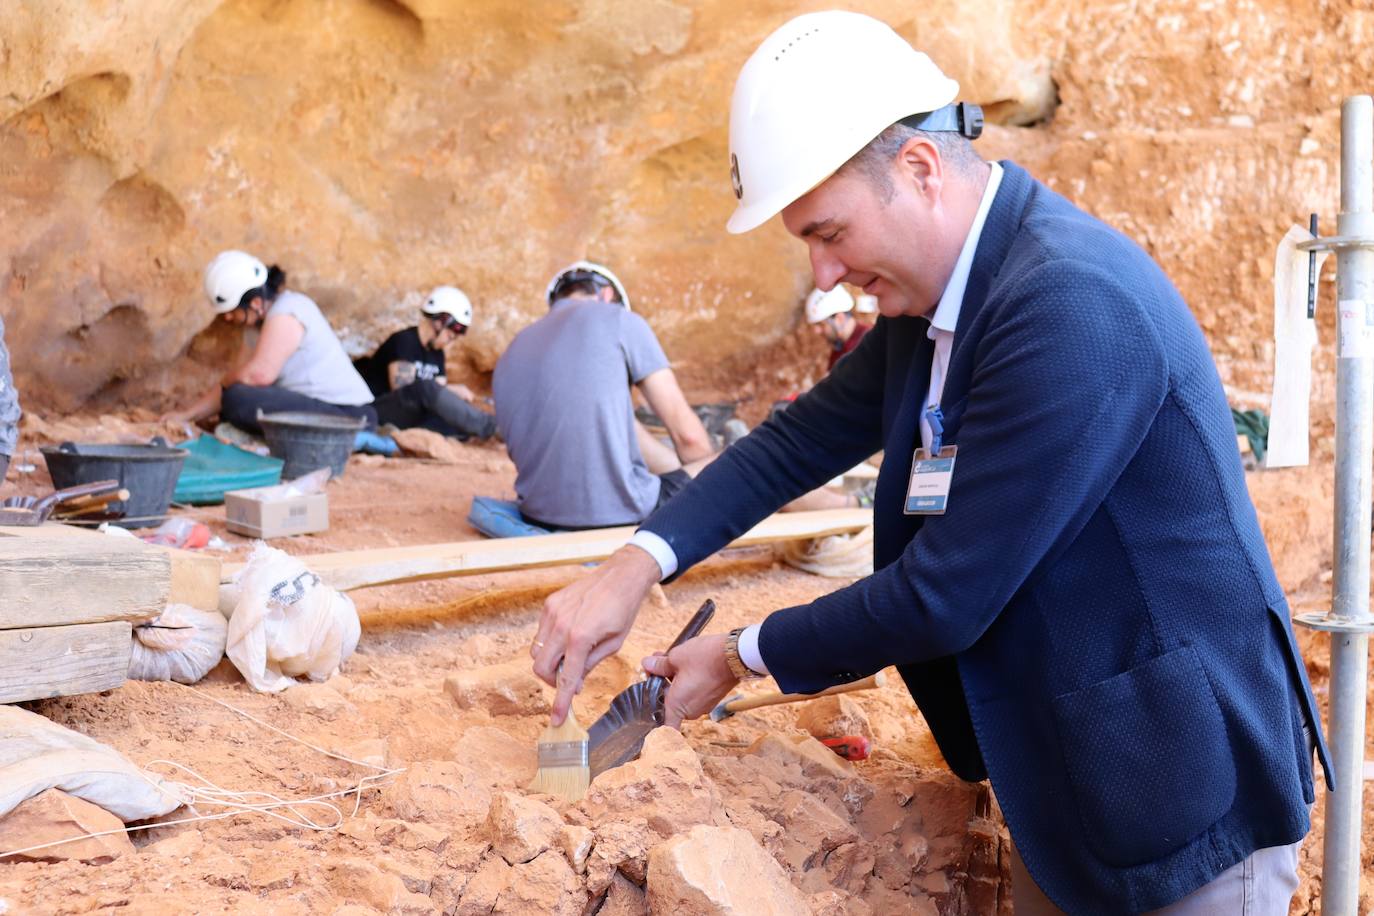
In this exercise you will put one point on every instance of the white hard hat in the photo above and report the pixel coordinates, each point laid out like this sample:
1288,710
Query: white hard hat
578,271
865,304
449,300
820,306
815,93
229,276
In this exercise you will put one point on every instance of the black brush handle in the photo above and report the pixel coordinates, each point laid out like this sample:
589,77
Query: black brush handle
698,623
656,686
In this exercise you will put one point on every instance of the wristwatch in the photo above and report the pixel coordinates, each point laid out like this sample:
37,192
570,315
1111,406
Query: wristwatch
737,666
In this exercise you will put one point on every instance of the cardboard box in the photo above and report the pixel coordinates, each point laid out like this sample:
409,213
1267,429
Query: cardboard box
247,512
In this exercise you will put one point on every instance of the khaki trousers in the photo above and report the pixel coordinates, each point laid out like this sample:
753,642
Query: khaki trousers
1261,885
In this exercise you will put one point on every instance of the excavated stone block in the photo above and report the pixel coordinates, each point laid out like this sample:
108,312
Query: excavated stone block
544,885
666,787
719,871
521,828
576,842
319,700
834,716
497,758
504,689
621,846
361,881
624,898
814,758
438,791
55,815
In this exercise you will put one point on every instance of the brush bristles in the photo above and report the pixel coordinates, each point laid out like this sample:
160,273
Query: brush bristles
563,769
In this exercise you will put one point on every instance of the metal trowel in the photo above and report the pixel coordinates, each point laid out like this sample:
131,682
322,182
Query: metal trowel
618,736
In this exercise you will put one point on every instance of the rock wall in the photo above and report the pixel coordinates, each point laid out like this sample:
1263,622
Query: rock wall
375,148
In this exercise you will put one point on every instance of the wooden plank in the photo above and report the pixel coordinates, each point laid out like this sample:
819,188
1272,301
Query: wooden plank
62,661
862,471
195,575
364,568
54,581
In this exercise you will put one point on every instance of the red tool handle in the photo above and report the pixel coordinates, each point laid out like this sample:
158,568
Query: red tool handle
850,747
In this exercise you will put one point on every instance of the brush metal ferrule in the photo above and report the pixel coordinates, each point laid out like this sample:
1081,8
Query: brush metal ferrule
563,754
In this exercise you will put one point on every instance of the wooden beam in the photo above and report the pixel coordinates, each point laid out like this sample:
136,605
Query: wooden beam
47,582
62,661
364,568
195,575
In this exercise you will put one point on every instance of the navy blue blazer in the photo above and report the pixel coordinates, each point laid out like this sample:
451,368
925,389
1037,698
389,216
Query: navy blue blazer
1094,624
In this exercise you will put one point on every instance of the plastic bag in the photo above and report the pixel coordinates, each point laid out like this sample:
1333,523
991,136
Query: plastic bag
839,556
181,645
183,533
288,623
37,755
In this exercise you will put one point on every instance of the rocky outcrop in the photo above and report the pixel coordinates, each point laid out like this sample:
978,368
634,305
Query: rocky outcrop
375,148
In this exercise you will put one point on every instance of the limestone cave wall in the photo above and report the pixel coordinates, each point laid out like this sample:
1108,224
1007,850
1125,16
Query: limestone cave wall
375,148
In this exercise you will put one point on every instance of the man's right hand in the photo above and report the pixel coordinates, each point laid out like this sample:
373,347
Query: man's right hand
589,620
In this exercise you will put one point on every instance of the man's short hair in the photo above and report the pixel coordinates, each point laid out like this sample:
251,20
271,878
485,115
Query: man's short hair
874,161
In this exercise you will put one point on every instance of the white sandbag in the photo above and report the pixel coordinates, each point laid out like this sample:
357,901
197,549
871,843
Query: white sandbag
288,623
839,556
37,754
182,644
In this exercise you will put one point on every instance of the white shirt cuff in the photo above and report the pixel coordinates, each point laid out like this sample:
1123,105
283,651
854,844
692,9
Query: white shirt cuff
749,650
657,548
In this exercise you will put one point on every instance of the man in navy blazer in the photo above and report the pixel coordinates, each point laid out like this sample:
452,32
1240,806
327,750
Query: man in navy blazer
1084,610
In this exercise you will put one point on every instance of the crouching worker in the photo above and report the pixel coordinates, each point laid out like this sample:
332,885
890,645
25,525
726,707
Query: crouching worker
407,373
289,360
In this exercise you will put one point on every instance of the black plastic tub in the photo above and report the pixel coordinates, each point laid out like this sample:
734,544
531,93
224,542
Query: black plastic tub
310,441
149,472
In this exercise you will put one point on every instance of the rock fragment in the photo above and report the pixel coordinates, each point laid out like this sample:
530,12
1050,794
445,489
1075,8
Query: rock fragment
719,871
834,716
504,689
666,787
521,828
440,792
55,815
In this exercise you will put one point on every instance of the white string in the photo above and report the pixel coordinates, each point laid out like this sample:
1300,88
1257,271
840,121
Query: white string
242,802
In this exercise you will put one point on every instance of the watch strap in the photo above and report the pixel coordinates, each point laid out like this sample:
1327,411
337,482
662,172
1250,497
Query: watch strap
732,658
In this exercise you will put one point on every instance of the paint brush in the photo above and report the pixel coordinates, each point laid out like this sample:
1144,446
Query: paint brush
563,767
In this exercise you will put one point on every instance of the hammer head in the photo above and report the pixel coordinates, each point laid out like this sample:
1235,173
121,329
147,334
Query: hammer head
722,711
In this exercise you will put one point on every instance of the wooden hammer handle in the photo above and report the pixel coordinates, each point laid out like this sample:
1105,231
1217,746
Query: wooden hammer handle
82,503
775,699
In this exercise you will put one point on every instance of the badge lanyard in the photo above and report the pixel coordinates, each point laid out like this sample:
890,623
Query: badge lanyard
932,471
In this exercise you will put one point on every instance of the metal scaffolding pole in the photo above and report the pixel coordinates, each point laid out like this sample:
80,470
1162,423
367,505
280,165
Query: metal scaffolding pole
1349,621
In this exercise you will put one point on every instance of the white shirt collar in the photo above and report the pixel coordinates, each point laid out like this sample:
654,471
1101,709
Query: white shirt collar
946,316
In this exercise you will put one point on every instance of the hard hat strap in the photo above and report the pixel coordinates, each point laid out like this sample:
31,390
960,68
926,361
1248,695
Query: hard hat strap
963,118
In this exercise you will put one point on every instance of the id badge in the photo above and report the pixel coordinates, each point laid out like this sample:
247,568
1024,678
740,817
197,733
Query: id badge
928,492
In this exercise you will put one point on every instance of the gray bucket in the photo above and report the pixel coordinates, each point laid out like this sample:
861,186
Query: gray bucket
149,472
310,441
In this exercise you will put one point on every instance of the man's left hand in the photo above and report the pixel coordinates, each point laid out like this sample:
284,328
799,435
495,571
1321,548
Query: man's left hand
700,678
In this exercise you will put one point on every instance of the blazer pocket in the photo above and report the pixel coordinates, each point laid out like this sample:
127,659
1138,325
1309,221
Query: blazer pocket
1148,760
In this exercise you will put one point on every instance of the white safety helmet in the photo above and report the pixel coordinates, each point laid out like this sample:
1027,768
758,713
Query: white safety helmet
451,301
585,270
865,304
229,276
820,306
817,91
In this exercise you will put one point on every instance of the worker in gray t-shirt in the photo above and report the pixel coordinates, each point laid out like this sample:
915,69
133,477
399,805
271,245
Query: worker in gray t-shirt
290,358
563,407
9,408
